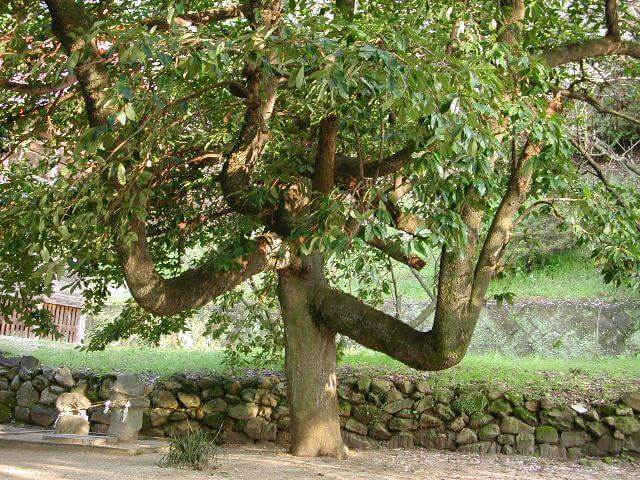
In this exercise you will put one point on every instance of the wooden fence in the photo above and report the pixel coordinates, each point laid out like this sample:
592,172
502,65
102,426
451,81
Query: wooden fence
68,319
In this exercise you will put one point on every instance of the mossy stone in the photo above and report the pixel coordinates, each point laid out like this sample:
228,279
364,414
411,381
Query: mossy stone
442,395
526,416
624,411
369,415
489,432
515,398
423,387
6,413
8,398
444,412
424,404
627,425
495,393
500,407
479,419
243,411
364,383
557,423
356,427
405,386
607,410
381,385
470,402
546,434
397,405
214,390
402,424
345,408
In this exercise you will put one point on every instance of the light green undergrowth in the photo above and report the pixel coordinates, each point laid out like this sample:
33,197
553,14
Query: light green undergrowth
566,275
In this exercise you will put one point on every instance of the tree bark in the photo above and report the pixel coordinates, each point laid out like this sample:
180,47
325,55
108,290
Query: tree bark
70,24
310,365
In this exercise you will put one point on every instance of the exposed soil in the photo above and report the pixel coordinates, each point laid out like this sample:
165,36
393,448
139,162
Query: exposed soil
249,463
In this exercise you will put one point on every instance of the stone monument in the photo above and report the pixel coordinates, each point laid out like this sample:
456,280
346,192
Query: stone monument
128,401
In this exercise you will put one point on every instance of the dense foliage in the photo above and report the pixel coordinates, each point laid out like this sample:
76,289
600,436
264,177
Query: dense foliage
433,79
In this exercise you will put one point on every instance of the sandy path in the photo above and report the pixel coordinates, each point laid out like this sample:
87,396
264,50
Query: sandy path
245,463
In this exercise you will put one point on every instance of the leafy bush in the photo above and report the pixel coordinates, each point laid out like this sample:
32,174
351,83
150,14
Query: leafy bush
195,451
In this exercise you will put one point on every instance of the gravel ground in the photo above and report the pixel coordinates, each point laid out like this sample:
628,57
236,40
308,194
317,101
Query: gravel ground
248,463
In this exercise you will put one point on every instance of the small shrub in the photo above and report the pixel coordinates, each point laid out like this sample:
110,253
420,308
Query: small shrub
195,451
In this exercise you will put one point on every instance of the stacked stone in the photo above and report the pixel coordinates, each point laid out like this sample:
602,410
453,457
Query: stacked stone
237,411
29,391
398,412
409,414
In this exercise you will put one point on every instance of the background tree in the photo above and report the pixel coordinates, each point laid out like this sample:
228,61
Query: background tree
184,149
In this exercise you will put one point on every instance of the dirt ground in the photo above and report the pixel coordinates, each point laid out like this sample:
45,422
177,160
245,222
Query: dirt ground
249,463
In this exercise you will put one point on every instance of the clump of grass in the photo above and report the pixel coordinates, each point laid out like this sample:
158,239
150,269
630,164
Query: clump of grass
194,451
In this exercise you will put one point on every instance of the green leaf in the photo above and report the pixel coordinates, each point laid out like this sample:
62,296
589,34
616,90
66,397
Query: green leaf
121,173
121,117
130,112
300,78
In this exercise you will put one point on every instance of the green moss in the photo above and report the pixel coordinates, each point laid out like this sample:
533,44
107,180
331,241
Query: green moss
470,402
500,407
6,413
515,398
525,415
239,425
479,419
627,425
546,434
344,408
442,395
369,415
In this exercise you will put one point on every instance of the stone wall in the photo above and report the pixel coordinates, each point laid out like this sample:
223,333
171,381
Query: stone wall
401,413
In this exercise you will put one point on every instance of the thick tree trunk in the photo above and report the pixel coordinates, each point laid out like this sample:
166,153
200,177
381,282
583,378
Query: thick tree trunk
310,369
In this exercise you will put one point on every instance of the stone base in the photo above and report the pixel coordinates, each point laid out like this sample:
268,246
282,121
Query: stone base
26,440
71,439
71,425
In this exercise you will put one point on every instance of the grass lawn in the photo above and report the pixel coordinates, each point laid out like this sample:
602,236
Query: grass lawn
597,378
566,275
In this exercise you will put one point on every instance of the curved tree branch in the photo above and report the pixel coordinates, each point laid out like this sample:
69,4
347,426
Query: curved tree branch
504,219
599,47
205,17
456,310
348,168
191,289
610,44
28,89
156,294
397,254
345,314
600,174
598,106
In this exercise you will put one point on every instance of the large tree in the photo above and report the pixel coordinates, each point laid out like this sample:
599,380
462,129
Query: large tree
184,149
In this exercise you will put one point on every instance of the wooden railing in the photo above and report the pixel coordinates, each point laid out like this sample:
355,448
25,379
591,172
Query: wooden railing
68,319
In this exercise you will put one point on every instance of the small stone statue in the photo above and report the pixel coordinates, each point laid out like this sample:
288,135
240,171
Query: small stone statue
128,399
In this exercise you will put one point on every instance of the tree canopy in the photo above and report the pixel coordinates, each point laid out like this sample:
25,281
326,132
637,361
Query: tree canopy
186,148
